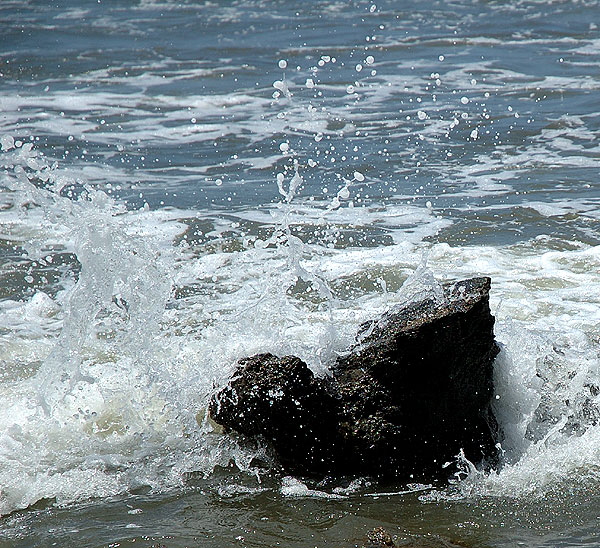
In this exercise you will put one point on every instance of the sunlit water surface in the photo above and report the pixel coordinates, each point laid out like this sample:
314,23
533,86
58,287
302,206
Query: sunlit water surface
187,183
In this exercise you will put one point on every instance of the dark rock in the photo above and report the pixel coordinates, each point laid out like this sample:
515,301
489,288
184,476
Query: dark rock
410,395
379,538
417,388
280,400
429,541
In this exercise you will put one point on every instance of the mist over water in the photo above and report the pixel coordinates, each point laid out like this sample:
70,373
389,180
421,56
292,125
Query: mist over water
183,184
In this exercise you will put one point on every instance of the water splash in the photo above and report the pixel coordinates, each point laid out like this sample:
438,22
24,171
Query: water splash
101,413
420,286
123,282
114,395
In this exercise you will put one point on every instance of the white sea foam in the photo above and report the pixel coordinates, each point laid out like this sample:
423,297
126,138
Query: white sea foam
114,370
292,487
106,371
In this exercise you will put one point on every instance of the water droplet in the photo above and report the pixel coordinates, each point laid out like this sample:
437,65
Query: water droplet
282,64
359,176
284,147
219,182
7,142
464,100
422,115
441,57
344,193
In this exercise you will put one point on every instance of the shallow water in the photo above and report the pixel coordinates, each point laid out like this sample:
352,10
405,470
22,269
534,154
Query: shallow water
184,184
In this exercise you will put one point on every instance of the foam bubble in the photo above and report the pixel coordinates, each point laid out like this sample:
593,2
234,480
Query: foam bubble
292,487
7,142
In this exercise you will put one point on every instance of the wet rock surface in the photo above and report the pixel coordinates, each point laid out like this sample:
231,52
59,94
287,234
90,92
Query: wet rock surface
418,386
280,400
412,393
380,538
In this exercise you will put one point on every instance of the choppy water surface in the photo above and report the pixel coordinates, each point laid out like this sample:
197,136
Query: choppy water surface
187,183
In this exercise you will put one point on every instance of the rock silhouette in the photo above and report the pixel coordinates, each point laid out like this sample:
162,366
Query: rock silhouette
413,392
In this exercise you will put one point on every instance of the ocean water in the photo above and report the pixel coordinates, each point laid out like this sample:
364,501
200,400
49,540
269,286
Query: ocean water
185,183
